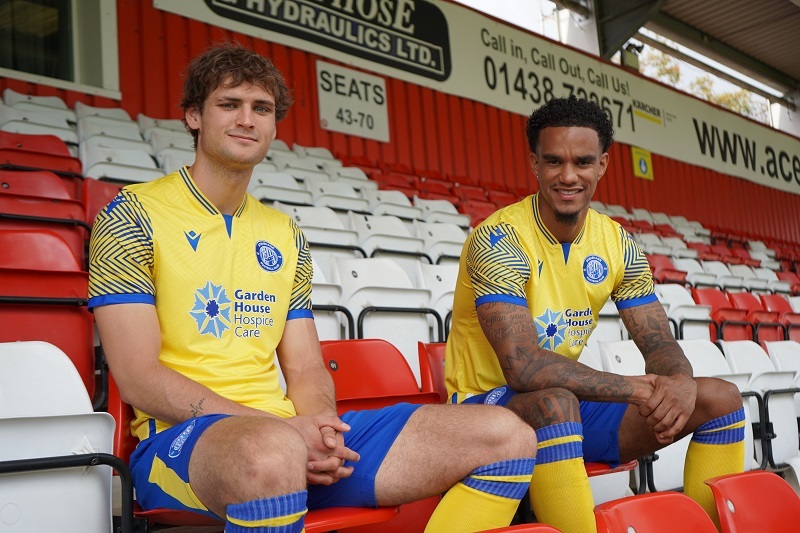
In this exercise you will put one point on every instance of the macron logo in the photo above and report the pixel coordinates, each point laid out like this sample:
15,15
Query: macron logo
494,238
193,238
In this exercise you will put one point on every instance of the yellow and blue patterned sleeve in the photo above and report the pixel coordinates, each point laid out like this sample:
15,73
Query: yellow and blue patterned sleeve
300,303
121,254
637,283
497,265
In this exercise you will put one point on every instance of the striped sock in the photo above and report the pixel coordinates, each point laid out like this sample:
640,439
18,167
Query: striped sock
716,449
487,498
279,514
560,492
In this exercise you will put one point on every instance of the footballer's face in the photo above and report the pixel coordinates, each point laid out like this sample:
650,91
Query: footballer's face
568,162
235,126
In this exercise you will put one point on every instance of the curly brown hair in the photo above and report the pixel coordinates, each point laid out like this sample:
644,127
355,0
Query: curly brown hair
233,64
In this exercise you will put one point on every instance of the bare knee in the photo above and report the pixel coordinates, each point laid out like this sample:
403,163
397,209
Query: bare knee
717,397
242,458
546,407
508,435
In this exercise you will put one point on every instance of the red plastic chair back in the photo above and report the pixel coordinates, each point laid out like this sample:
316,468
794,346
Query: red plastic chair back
722,310
96,195
478,210
431,368
755,501
653,513
39,183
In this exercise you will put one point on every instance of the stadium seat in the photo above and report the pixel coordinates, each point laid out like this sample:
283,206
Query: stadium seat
703,250
755,501
729,323
469,192
146,124
790,319
441,281
326,301
98,126
312,151
707,360
43,296
779,420
766,324
105,141
431,368
651,243
785,357
443,241
744,255
441,211
750,279
501,198
64,217
624,358
96,195
678,247
664,271
353,176
391,202
38,183
608,326
37,121
792,278
162,139
19,151
388,236
120,164
278,187
478,210
327,237
116,113
385,304
688,319
653,513
694,272
318,521
337,195
46,413
370,374
302,170
724,278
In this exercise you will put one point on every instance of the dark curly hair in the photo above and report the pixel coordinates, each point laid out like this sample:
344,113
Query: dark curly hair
233,62
570,112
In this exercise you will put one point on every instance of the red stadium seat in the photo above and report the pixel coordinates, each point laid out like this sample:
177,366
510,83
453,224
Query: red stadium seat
43,296
20,151
653,513
398,182
434,186
704,252
65,217
469,192
725,254
744,255
790,320
766,324
319,521
792,278
96,195
755,501
38,183
664,271
477,210
501,198
431,368
729,323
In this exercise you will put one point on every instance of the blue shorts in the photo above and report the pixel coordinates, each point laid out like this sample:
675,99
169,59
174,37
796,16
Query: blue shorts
600,422
160,464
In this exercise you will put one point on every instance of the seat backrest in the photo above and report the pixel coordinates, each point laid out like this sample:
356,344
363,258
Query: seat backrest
743,271
374,225
713,297
354,274
96,195
387,197
784,275
755,501
367,368
659,261
440,206
649,513
281,180
706,359
746,357
85,110
775,302
162,138
39,183
785,355
687,264
119,156
622,357
42,144
311,217
745,300
38,379
94,126
431,368
717,268
40,250
13,97
353,173
674,295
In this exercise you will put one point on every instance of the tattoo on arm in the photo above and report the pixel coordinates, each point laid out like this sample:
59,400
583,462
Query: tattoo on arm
649,329
197,410
510,330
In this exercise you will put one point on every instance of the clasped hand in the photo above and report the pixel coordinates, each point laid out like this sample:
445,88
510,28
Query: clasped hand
669,406
326,450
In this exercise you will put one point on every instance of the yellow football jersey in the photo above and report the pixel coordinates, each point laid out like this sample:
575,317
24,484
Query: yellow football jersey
512,257
223,285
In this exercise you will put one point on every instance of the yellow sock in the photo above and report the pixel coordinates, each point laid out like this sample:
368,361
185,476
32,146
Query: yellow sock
280,514
716,449
560,491
486,499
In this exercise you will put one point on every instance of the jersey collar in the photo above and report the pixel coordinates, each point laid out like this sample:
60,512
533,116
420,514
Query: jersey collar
537,218
200,197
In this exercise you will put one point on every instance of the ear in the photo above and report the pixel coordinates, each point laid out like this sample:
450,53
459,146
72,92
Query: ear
534,160
603,165
193,115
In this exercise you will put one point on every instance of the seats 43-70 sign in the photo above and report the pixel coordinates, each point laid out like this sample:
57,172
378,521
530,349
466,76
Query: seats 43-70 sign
352,102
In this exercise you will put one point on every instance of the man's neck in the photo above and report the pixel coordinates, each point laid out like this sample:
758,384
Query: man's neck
563,232
224,187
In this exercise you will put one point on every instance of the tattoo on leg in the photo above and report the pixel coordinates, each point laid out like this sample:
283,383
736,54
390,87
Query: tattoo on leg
197,410
548,409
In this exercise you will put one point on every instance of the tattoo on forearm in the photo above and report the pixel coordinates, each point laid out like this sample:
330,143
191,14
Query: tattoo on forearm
649,329
197,410
512,334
